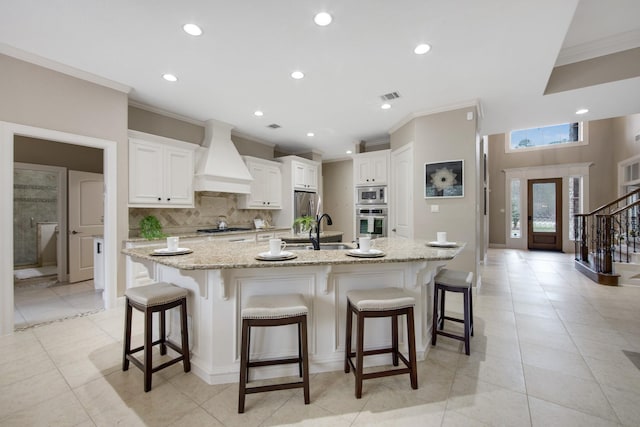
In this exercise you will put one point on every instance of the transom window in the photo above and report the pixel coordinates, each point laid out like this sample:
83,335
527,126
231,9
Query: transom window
545,137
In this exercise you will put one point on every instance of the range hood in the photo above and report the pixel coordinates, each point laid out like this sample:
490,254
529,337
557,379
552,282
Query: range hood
219,166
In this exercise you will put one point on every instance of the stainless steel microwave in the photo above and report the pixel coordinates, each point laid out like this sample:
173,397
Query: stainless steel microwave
375,195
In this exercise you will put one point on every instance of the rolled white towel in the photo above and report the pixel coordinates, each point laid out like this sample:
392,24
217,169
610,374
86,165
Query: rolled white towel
370,224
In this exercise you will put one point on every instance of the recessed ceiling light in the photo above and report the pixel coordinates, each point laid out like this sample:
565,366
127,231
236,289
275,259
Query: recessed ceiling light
349,151
258,113
297,75
192,29
323,19
421,49
169,77
310,134
385,106
582,111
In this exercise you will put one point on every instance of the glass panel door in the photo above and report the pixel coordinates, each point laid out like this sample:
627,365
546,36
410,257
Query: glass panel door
545,214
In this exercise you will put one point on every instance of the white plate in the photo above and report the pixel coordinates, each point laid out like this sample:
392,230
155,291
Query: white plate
373,253
284,255
166,251
443,244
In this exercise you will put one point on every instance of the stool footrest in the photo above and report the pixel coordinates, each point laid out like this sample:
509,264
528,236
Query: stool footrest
453,319
270,362
450,335
273,387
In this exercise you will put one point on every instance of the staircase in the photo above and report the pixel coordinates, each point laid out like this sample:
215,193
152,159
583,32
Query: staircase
608,242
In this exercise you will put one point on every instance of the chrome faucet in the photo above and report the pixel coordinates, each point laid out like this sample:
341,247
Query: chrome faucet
315,241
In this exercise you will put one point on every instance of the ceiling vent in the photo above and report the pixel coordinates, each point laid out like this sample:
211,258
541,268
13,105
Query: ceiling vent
390,96
274,126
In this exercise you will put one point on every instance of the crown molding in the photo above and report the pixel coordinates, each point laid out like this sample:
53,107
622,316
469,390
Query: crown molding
593,49
34,59
252,138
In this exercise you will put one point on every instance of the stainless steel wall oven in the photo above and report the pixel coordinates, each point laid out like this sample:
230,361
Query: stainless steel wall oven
371,221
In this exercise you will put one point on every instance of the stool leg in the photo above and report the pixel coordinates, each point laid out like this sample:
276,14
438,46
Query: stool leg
300,348
471,308
443,294
434,316
127,336
148,349
244,369
394,339
305,358
411,337
467,322
359,353
163,332
184,333
347,344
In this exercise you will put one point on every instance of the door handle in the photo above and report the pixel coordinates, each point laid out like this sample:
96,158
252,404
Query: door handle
393,229
529,218
76,232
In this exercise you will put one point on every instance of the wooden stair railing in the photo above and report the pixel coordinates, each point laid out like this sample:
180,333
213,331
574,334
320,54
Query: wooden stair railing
601,234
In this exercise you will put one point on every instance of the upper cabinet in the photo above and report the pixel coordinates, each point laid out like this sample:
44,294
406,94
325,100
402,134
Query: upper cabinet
371,168
161,171
305,176
266,188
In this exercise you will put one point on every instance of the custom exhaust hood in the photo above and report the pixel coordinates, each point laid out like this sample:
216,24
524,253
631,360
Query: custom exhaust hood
219,166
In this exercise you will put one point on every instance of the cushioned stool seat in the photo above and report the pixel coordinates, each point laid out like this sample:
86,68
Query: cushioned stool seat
158,297
372,303
448,280
274,310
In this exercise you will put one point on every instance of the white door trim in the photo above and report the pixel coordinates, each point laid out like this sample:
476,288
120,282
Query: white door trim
7,133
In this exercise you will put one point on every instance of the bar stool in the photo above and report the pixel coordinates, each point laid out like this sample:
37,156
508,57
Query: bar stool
453,281
273,310
372,303
157,297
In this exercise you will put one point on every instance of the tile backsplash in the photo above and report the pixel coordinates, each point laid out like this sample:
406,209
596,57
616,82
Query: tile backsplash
208,207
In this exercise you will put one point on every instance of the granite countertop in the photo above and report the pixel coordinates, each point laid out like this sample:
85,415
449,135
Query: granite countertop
183,234
215,255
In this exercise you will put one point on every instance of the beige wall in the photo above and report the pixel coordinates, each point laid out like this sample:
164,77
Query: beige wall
624,131
36,96
337,179
169,127
73,157
441,137
602,175
248,147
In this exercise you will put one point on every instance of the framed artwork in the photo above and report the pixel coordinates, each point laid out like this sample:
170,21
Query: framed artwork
444,179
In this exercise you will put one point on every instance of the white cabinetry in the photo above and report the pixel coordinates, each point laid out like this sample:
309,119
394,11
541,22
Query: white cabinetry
305,176
160,171
371,168
266,187
98,262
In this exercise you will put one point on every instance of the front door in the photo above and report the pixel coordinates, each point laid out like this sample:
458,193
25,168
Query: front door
545,214
86,219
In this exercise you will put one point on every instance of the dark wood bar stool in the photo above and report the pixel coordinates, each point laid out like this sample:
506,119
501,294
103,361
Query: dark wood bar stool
453,281
372,303
158,297
267,311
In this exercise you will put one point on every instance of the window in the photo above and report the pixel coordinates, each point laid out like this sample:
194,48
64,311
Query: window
516,232
545,137
575,203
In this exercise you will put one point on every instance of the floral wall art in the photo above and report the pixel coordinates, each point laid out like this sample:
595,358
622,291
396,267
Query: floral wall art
444,179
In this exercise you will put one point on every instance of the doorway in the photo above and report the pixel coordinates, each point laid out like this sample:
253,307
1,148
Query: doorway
8,132
544,214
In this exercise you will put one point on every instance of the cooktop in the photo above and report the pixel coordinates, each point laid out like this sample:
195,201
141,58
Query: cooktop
224,230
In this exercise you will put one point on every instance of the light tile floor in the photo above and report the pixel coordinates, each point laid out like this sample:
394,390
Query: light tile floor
551,348
42,300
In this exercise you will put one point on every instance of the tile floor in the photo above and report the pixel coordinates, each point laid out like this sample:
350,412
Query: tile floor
42,299
550,348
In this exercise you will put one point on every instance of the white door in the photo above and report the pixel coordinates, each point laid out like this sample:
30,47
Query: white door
401,195
86,218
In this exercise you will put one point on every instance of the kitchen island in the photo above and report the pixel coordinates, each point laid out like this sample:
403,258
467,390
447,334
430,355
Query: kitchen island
220,276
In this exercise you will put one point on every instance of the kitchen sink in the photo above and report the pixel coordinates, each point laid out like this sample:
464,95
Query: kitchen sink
323,247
